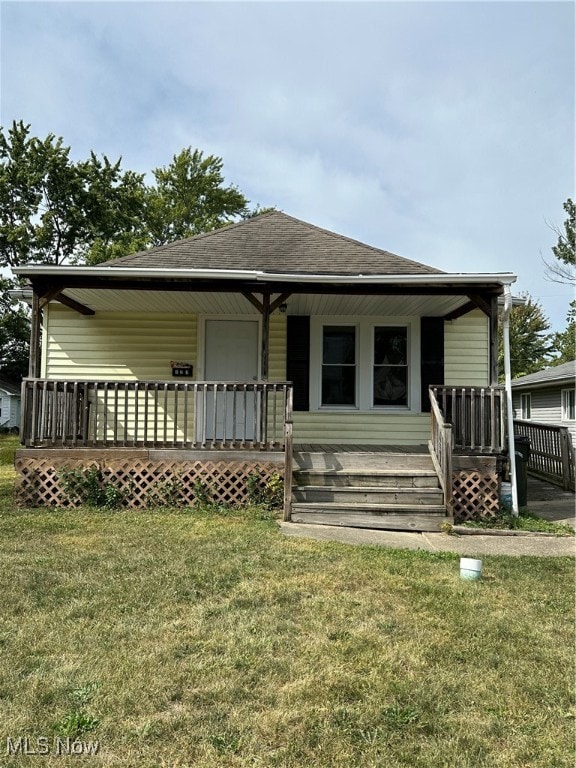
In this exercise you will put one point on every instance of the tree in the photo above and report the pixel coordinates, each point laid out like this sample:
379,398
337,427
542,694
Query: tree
189,197
14,336
52,210
531,347
565,341
563,270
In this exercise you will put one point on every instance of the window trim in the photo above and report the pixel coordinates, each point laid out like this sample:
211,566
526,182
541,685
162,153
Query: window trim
364,362
564,410
526,397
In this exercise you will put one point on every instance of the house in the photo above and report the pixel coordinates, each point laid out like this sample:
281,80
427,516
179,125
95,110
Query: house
545,411
271,345
9,406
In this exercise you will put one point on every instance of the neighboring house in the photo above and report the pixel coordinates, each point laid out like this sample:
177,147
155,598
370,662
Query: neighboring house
545,410
547,397
9,406
198,347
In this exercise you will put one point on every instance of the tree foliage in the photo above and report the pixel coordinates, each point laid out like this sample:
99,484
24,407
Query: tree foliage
531,345
565,341
14,336
563,269
53,209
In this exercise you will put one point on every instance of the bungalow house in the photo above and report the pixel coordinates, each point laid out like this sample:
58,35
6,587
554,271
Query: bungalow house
367,380
9,406
545,411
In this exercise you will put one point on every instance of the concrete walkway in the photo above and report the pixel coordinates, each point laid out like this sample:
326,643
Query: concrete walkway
544,499
468,545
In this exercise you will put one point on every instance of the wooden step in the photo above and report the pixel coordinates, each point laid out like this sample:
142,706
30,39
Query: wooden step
364,461
353,495
383,517
388,478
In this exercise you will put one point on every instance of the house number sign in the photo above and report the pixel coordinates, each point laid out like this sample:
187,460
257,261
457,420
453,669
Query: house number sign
181,369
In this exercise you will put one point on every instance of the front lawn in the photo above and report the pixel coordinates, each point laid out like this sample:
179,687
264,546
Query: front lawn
195,638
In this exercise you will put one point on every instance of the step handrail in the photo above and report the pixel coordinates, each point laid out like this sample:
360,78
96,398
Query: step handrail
440,447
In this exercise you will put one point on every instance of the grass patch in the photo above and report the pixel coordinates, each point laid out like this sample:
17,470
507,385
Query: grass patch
197,638
526,521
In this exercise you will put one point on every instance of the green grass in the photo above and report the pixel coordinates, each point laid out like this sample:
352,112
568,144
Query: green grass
526,521
189,638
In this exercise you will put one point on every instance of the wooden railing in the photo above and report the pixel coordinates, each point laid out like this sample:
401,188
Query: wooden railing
163,414
477,416
440,447
551,452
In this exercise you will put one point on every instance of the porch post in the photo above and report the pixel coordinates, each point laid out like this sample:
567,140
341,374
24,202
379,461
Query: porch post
34,362
265,352
493,317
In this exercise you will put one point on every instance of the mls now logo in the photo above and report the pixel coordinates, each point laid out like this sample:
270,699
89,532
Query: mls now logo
42,745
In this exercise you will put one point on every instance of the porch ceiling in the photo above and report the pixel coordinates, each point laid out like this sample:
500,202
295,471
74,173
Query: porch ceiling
103,300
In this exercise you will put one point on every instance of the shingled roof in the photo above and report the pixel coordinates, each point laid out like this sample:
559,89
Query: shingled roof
565,372
277,243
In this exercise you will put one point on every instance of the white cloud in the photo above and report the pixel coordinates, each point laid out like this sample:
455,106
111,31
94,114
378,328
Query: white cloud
441,131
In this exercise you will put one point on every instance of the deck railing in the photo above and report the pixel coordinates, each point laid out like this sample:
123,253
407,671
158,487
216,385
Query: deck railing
477,416
440,446
160,414
551,452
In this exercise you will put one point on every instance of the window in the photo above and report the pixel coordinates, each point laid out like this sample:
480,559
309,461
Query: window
339,365
526,406
568,405
390,369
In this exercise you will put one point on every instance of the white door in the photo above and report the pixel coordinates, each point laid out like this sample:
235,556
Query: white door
231,354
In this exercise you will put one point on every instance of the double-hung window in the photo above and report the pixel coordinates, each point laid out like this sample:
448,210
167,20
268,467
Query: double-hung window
390,367
339,363
526,406
568,405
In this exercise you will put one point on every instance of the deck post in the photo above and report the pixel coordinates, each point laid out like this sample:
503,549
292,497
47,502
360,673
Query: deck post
35,359
493,341
288,451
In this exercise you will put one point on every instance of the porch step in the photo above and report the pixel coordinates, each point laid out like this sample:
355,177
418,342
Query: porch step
361,460
380,516
395,478
382,489
353,495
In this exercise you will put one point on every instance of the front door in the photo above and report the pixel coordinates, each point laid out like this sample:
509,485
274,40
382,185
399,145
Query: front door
231,354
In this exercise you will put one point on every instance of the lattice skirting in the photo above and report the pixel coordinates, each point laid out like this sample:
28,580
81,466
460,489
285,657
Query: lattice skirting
475,491
144,482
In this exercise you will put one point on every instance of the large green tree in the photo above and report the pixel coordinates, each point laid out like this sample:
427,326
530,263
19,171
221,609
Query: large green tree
53,209
531,346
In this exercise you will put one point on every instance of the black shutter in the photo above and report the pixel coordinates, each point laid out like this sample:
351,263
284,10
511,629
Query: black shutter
298,359
431,356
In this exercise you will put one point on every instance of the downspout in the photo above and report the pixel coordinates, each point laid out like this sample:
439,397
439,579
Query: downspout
508,387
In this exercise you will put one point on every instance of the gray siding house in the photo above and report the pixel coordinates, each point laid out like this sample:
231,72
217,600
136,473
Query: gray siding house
9,406
547,397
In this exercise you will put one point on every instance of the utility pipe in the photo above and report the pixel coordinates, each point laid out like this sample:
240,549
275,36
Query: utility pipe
508,387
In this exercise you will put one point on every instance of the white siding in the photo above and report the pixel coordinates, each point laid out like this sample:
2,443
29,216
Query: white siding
466,349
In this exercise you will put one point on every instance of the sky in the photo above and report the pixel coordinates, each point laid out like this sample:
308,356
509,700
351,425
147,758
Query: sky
440,131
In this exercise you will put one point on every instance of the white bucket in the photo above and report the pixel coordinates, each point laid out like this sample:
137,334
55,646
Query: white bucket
506,496
470,569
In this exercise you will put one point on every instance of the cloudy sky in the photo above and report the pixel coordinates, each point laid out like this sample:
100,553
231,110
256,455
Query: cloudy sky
441,131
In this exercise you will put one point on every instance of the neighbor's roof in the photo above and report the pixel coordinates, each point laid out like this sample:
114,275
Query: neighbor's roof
278,243
12,389
566,372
